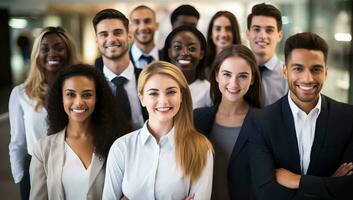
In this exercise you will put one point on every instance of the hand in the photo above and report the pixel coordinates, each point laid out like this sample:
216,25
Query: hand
190,197
124,198
287,179
344,170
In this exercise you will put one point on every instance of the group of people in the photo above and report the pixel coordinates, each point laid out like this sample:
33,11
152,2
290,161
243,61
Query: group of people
202,118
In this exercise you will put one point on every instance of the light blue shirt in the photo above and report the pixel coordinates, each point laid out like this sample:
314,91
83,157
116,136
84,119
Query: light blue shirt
274,84
131,90
136,54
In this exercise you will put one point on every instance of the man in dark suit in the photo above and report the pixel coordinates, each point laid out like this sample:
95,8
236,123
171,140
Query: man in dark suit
301,147
113,38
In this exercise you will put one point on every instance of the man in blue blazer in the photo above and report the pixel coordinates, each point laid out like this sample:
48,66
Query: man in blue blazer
301,147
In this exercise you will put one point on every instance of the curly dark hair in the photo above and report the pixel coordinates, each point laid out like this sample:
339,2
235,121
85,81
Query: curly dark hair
108,120
200,71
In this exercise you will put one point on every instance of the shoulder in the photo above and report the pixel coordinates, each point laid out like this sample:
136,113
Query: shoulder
269,112
126,141
18,90
204,112
47,144
334,106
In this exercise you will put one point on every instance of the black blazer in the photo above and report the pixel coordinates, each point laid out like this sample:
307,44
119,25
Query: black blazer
99,65
239,182
273,144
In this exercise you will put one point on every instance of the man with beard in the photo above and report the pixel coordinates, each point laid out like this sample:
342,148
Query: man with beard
264,32
112,37
143,26
301,147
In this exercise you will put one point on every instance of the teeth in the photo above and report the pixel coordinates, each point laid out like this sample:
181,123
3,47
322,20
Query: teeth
78,110
306,87
261,43
53,62
163,109
233,91
183,62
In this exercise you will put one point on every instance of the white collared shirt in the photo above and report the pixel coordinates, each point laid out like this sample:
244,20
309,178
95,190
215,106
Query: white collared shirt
140,168
136,54
200,93
131,90
274,84
305,130
27,126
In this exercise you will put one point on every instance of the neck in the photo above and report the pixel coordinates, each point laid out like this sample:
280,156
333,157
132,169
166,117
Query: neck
50,77
262,59
190,77
218,50
159,129
146,48
304,106
117,65
233,108
78,129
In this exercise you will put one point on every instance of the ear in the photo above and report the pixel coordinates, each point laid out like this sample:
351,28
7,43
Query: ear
247,34
285,72
129,37
216,76
141,100
280,35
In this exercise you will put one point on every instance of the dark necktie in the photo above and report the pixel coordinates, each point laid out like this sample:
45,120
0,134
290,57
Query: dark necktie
121,95
147,58
262,69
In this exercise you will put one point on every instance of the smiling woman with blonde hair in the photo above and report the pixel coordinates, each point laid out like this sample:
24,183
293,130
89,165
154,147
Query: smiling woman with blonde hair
141,162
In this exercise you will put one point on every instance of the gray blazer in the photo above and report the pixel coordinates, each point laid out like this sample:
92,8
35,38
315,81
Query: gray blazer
46,170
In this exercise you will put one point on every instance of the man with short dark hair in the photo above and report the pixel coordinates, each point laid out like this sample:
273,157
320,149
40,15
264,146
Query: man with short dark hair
264,32
301,147
143,26
184,15
112,37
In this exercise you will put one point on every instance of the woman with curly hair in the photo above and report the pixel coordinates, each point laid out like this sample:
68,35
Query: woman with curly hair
167,158
235,88
223,31
83,121
185,47
53,50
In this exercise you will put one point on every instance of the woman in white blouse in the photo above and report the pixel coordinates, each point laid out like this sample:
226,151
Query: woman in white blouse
83,121
53,50
167,158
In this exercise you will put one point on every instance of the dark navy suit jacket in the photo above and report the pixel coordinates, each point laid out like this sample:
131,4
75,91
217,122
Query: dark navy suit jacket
273,144
239,181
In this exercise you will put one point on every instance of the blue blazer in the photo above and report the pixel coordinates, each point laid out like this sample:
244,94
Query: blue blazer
273,144
239,181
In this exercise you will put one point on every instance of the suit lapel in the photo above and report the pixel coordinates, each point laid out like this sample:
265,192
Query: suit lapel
58,162
97,166
320,133
289,131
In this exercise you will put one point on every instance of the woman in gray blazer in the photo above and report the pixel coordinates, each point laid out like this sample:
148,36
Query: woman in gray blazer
83,122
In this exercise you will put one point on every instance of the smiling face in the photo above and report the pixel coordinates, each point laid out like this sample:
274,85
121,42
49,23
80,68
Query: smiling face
263,37
112,39
53,53
143,26
79,98
162,97
222,35
306,73
234,78
185,52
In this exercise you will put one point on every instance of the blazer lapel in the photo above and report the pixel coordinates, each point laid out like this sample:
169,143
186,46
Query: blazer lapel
97,166
320,133
58,162
289,131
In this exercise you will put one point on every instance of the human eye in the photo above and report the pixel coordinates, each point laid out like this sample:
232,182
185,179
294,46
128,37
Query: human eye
87,95
70,94
243,76
269,30
229,29
136,21
117,32
177,47
192,48
153,94
59,47
256,29
317,69
297,69
171,92
226,74
148,21
44,49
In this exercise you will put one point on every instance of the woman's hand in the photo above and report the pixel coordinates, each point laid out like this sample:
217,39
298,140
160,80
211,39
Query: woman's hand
190,197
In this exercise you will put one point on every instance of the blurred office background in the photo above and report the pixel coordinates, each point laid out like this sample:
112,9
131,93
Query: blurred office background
21,20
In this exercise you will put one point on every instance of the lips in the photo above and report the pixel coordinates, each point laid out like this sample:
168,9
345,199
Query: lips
233,91
53,62
262,43
78,110
163,109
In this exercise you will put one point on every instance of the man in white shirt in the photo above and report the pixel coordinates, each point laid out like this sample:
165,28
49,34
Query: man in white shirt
301,147
112,37
143,26
264,32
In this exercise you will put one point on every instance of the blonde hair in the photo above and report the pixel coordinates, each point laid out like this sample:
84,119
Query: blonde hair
192,147
35,85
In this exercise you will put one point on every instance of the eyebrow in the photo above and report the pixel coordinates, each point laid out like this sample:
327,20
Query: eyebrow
258,26
155,89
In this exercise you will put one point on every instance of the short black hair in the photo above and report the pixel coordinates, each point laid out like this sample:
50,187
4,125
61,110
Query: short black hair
185,9
267,10
110,14
305,40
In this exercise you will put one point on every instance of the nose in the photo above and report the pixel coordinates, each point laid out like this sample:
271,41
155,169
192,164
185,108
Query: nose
262,33
185,51
78,101
223,32
308,76
52,52
142,26
163,99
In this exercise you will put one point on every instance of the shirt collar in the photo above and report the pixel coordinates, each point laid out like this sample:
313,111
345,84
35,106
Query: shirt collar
136,52
146,136
127,73
297,111
272,63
